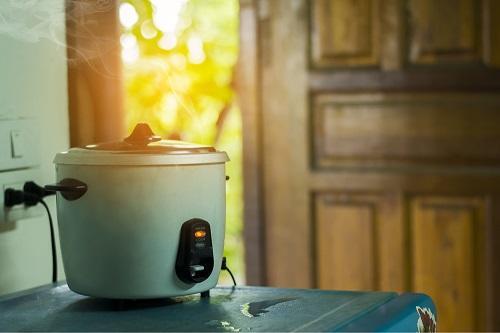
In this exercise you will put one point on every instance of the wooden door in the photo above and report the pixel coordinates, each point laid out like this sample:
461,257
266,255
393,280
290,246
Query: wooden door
377,159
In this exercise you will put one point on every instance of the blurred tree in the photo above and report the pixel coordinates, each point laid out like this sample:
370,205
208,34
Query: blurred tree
179,59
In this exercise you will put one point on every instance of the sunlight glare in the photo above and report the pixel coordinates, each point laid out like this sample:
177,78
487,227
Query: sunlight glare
148,30
166,14
130,48
196,53
128,15
169,112
167,42
178,61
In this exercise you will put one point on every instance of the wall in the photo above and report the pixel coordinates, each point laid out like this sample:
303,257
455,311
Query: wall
33,83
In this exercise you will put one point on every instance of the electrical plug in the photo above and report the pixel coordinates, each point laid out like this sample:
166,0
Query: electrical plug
30,195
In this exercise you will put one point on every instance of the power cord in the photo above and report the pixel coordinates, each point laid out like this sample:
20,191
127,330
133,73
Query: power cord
52,242
31,195
224,267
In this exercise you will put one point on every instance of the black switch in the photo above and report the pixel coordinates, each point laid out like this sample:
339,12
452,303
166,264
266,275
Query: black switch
195,258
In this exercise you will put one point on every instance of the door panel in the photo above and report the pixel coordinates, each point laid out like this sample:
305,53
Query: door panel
444,31
358,239
340,40
345,243
447,249
397,129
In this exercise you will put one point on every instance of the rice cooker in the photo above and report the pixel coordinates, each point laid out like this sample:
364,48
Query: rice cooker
141,218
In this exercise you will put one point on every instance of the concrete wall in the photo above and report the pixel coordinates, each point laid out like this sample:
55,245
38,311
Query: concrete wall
33,83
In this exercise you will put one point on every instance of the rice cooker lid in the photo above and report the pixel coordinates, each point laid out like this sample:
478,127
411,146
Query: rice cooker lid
142,147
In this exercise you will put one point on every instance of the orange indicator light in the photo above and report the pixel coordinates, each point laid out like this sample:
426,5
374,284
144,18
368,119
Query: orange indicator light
199,233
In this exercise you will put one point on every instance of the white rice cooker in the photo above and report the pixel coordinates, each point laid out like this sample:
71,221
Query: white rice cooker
141,218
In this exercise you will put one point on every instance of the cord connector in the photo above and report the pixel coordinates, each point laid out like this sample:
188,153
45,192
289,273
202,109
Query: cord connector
224,267
30,195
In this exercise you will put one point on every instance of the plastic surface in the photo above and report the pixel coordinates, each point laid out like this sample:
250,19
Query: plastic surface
120,239
81,156
195,259
120,236
244,309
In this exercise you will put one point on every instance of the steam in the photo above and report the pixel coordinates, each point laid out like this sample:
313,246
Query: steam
33,21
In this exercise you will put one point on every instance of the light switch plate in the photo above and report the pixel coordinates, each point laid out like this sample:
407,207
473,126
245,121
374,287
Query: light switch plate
16,180
19,143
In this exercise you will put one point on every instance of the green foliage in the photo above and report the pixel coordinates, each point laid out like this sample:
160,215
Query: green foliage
182,91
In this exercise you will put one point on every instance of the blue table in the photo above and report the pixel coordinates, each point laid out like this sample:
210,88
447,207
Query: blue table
56,308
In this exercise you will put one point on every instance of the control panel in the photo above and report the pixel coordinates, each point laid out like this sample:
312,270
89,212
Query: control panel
195,258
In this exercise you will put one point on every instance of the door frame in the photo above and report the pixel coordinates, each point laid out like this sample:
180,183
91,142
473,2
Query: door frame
247,86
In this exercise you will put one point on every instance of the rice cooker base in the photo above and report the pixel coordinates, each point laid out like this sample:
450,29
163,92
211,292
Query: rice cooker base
121,238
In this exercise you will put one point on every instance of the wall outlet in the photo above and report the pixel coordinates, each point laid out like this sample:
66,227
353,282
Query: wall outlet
16,180
19,163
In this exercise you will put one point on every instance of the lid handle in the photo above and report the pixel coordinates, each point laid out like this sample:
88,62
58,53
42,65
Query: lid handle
142,135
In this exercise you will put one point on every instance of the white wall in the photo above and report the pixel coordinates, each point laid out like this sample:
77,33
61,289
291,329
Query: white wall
33,76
